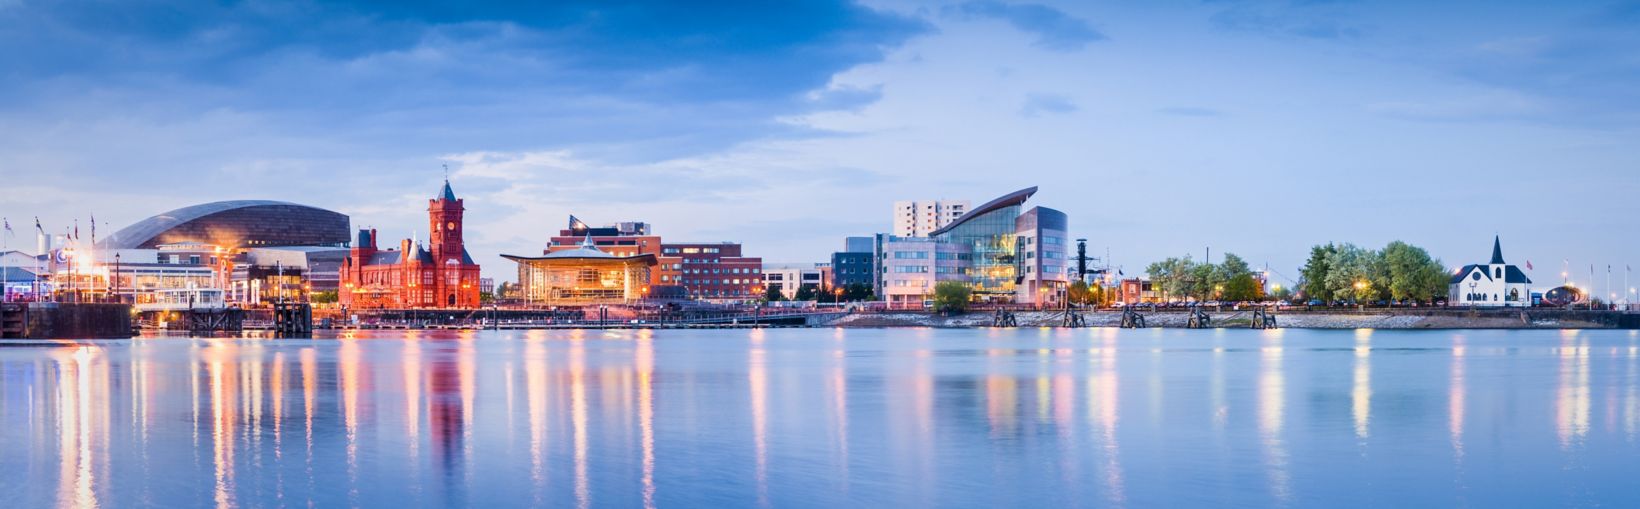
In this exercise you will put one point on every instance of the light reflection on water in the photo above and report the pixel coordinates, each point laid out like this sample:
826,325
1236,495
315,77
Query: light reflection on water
779,418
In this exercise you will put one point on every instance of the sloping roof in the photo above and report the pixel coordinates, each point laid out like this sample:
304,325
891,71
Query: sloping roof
1497,251
447,194
384,258
1512,274
1007,200
16,274
1463,273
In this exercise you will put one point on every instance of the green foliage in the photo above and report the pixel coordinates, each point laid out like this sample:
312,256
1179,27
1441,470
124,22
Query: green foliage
772,294
329,297
1315,272
1241,287
1398,272
805,292
1183,277
1172,277
951,296
1413,274
858,292
1079,293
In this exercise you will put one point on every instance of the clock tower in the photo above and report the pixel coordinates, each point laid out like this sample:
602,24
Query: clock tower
444,225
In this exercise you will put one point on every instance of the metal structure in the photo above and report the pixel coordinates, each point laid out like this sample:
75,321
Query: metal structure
1198,319
1131,319
1262,319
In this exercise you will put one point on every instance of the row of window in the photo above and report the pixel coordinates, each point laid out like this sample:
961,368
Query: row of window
690,250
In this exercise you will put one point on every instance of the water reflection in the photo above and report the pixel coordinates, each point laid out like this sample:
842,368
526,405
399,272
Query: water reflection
827,418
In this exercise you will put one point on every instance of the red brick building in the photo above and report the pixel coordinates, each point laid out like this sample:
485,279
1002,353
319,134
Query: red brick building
439,275
713,271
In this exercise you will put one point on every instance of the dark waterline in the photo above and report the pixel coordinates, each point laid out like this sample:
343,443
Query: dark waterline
829,418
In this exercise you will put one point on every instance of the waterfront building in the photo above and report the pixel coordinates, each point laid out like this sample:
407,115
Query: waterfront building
623,239
909,267
787,278
265,274
583,276
1004,255
440,275
853,265
714,271
920,217
1040,234
235,225
1136,291
1492,284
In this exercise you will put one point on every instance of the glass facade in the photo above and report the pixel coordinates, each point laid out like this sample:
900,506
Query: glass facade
990,238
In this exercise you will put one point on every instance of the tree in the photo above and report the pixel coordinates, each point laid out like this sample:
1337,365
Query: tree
805,292
328,297
1314,273
858,292
772,294
1413,275
1173,277
1241,287
951,297
1080,293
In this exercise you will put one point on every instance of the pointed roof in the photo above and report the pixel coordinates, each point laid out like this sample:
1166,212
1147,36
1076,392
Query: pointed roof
1497,251
447,194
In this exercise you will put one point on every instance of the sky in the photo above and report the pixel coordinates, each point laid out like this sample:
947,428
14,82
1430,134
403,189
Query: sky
1162,128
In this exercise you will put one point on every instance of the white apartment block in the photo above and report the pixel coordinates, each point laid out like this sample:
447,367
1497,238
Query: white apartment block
919,218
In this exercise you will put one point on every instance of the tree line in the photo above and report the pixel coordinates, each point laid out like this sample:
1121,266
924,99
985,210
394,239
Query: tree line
1231,279
1399,272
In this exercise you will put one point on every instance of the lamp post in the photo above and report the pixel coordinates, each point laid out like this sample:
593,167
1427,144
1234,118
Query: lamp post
117,297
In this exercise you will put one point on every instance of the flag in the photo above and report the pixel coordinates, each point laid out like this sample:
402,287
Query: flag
8,225
37,226
76,229
1528,265
93,227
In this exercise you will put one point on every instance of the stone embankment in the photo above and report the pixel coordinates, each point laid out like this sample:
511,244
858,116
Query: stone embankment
1454,319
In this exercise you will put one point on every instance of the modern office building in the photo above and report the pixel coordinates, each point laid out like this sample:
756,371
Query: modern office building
1003,254
583,276
440,275
787,278
853,266
235,225
909,267
919,218
1041,235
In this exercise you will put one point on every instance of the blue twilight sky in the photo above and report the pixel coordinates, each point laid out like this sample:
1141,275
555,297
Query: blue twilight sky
1162,128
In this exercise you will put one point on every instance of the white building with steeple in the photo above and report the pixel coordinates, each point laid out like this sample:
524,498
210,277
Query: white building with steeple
1494,284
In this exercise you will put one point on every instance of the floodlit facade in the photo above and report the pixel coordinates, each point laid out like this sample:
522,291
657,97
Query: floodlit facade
582,276
234,225
441,275
1003,255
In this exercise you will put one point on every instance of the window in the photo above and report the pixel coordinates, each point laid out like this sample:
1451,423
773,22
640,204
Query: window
911,269
911,255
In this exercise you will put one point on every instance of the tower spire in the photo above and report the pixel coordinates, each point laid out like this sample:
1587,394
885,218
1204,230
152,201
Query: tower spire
1497,251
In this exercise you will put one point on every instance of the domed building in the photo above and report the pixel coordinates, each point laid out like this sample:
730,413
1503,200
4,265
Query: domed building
235,225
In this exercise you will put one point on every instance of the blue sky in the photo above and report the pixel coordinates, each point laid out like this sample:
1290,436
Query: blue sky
1162,128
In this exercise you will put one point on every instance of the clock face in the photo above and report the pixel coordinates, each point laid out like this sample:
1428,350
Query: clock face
450,226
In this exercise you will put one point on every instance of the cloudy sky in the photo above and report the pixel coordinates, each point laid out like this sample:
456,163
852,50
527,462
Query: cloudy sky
1162,128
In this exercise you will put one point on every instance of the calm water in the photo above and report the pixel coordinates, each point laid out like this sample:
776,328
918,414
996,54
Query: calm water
818,418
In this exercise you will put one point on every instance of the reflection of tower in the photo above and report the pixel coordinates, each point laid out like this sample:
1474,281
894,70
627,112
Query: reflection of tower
445,412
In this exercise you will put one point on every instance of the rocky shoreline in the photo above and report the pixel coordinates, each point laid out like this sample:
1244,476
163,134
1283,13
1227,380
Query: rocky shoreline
1241,319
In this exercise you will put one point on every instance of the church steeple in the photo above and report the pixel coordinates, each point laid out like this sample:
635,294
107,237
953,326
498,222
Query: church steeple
1497,251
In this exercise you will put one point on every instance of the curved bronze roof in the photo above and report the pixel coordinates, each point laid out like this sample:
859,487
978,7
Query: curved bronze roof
238,223
1010,199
